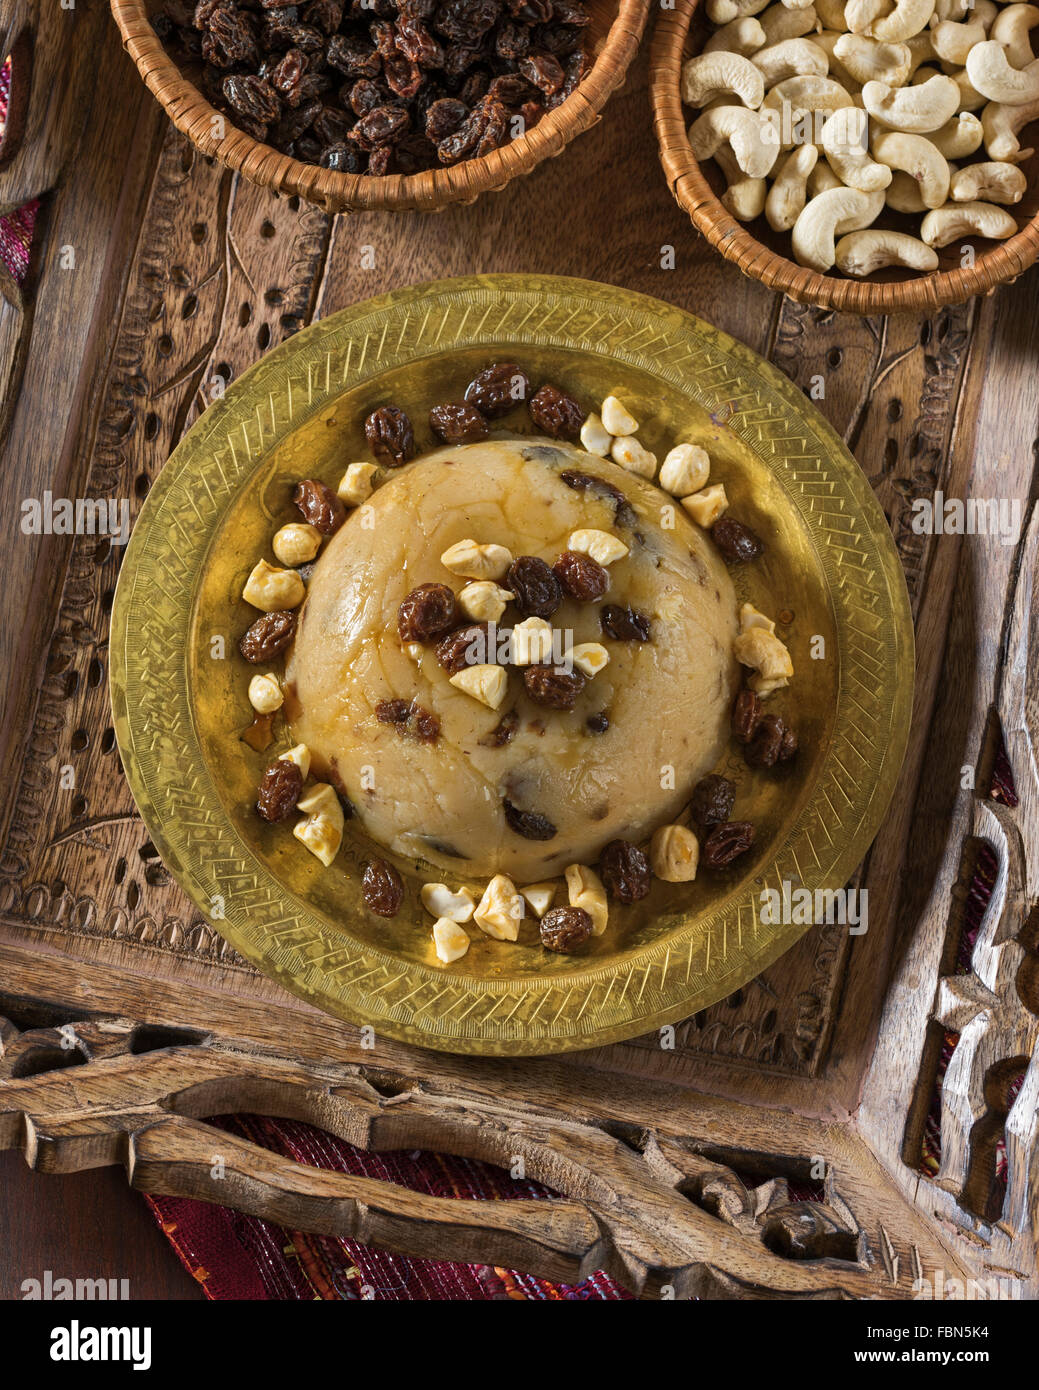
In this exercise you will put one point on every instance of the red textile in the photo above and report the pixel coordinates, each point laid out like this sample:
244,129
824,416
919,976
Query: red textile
16,228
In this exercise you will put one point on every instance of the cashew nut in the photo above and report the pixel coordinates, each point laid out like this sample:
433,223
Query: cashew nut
822,179
832,14
745,199
906,19
959,137
1001,125
903,194
867,60
953,41
839,210
955,220
743,36
1010,28
994,182
718,74
952,9
917,109
921,50
786,198
860,14
827,41
861,253
792,57
990,74
843,139
723,11
919,158
970,98
753,142
781,23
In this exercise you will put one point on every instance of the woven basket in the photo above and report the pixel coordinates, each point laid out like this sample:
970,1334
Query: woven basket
614,33
764,255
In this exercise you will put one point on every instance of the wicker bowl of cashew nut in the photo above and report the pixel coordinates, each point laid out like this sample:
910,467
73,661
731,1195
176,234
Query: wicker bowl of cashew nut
864,155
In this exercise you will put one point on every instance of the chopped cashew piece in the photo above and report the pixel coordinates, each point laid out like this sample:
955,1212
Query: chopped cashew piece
540,896
629,453
531,643
921,108
753,617
991,182
484,601
674,854
600,545
500,910
321,830
450,940
415,651
595,437
685,469
761,649
719,74
956,220
707,505
585,889
271,589
616,418
356,484
473,561
265,694
296,543
439,901
300,755
861,253
488,684
589,657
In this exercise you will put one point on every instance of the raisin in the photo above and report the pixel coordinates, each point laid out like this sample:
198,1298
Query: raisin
580,576
563,929
416,43
269,635
427,612
498,389
624,870
229,39
402,75
746,716
552,686
364,96
324,14
511,90
495,123
542,71
457,423
463,142
332,127
597,723
319,506
556,413
503,732
382,888
466,646
623,511
530,824
380,160
536,588
410,719
512,40
736,541
624,624
711,802
788,748
343,158
280,789
383,125
252,96
764,748
295,121
444,117
726,843
287,74
353,57
390,436
466,21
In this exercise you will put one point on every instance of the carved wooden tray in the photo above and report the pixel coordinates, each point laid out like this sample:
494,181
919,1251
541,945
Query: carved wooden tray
830,567
672,1160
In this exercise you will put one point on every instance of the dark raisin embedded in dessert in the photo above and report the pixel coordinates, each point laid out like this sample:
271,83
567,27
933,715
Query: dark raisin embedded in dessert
711,802
534,585
466,646
410,719
390,436
623,511
736,541
788,748
597,723
498,388
532,825
726,843
746,716
319,506
280,789
563,929
428,612
624,624
458,423
766,747
268,636
556,413
382,888
552,686
503,732
625,871
580,576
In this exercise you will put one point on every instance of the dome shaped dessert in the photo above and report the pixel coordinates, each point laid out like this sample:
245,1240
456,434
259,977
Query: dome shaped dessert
526,787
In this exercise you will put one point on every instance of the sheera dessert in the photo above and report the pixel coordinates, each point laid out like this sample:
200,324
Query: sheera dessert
524,787
515,659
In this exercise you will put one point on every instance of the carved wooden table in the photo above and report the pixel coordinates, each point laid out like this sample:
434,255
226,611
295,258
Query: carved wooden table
156,279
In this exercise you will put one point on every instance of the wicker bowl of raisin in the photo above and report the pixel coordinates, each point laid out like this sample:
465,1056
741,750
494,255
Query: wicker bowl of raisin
388,105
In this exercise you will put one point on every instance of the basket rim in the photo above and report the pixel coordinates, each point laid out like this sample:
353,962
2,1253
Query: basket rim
334,191
995,266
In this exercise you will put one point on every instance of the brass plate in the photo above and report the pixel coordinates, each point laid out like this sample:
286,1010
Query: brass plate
830,569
